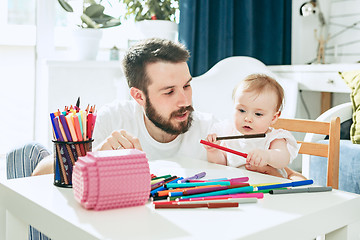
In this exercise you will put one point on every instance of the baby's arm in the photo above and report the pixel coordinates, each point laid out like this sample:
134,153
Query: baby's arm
214,155
276,156
293,175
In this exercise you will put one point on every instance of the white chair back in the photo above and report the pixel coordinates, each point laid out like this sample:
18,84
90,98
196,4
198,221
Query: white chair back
212,91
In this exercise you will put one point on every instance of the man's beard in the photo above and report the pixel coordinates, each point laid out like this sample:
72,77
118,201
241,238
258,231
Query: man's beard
166,125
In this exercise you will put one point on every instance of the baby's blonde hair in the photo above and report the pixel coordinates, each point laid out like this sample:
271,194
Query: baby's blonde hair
259,83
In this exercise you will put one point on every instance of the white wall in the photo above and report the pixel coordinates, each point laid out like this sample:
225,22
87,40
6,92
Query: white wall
338,14
304,44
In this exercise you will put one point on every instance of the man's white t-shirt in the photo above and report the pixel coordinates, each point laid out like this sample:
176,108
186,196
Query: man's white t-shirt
128,115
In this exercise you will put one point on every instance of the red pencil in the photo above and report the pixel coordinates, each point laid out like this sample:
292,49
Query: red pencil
223,148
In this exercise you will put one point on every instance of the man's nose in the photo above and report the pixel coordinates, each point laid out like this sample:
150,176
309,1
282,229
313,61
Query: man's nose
184,99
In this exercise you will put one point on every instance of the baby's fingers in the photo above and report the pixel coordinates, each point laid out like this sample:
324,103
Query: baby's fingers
212,138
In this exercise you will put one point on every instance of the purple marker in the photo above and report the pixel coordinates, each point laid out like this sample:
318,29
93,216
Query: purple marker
204,190
157,184
238,180
196,176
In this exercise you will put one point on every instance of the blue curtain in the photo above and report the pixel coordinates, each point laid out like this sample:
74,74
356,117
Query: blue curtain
215,29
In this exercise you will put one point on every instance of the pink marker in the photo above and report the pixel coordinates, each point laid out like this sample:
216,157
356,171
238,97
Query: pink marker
237,195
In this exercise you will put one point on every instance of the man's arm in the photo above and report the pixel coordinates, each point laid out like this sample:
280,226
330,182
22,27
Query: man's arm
45,166
117,140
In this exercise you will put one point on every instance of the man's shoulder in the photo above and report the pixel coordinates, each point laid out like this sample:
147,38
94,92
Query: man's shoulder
204,117
203,122
119,106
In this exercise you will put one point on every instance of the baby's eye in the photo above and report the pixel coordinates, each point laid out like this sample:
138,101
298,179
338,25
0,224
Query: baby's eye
259,114
241,110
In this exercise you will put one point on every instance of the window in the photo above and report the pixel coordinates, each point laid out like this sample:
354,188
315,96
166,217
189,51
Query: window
115,36
21,12
17,19
17,74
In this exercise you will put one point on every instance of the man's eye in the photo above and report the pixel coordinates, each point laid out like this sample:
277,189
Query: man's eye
168,93
186,86
259,114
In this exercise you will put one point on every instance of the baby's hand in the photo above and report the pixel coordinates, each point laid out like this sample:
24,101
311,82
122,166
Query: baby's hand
258,158
212,138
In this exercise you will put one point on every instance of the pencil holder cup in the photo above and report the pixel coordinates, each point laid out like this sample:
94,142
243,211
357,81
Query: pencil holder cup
65,156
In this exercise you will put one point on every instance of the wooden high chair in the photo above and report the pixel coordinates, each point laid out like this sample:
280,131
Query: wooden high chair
330,150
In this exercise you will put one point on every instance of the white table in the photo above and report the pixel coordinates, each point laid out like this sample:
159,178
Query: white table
55,212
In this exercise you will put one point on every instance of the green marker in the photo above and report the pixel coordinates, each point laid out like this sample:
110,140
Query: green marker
222,192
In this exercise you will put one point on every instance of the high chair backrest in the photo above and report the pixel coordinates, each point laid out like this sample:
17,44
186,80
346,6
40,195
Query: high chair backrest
212,91
330,150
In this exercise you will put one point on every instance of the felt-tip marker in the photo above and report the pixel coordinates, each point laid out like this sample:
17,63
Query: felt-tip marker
300,190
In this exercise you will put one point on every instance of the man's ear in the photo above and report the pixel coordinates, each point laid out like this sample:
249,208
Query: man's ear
138,95
275,117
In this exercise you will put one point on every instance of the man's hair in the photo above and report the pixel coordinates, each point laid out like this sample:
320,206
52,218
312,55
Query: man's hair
150,51
259,83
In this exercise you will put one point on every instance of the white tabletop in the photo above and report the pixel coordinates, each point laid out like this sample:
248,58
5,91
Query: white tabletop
55,212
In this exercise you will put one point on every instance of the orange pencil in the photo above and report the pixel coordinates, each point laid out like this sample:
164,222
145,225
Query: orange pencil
77,127
78,133
83,120
72,132
71,127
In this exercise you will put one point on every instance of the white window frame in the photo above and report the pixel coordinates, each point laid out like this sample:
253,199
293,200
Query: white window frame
15,35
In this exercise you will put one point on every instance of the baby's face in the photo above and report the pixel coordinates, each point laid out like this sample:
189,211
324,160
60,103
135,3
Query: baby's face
255,113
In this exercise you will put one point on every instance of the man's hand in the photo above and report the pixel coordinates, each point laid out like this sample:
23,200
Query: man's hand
45,166
120,140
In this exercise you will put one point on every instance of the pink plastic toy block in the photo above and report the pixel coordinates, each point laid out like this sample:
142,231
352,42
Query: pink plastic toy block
112,179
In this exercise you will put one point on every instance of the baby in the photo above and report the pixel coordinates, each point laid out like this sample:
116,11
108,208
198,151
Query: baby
258,101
